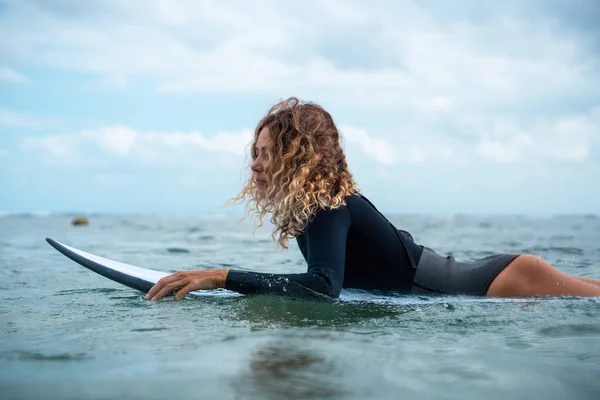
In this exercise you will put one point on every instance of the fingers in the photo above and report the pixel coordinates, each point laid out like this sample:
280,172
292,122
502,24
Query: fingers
185,290
165,291
158,286
166,285
184,282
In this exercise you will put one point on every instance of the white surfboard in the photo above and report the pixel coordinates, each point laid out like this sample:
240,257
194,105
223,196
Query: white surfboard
143,279
129,275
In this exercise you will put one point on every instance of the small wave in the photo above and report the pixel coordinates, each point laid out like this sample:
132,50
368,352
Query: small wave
571,330
562,237
149,329
557,249
30,215
226,265
25,355
361,296
177,250
128,298
206,238
84,291
130,224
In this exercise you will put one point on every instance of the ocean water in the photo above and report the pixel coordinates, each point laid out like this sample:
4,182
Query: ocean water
68,333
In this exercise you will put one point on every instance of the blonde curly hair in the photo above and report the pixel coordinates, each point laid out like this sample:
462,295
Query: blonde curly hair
307,172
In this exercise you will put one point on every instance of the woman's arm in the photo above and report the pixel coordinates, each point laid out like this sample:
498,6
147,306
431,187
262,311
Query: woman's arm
325,254
325,238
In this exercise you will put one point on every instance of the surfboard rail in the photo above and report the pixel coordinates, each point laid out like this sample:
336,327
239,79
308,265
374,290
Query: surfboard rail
138,278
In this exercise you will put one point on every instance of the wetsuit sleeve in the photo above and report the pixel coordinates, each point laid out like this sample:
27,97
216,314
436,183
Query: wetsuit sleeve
325,253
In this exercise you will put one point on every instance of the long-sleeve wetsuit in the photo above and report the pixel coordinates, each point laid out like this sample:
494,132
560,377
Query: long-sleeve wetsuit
354,246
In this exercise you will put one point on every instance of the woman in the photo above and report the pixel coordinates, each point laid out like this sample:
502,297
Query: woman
300,177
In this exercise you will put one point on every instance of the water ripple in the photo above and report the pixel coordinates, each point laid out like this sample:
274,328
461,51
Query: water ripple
571,330
149,329
25,355
69,292
177,250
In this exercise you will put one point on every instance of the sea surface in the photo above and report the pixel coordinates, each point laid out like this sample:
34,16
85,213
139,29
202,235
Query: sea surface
68,333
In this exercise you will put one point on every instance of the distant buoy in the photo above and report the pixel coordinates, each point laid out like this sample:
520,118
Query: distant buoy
80,221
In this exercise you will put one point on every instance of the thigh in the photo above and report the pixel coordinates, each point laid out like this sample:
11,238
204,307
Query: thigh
529,275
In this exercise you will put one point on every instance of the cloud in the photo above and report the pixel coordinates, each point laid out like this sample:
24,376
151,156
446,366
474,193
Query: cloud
412,149
16,119
449,77
119,143
426,88
421,56
60,147
378,149
572,138
433,83
117,139
507,151
8,75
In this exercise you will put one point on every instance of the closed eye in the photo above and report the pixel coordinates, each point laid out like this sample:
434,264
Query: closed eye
263,151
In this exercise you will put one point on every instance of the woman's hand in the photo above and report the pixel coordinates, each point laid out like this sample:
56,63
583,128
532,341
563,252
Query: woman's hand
184,282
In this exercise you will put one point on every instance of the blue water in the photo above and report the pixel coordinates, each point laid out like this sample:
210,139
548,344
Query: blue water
68,333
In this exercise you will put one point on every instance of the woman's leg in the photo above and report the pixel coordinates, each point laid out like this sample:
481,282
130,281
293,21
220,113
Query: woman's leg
588,280
528,276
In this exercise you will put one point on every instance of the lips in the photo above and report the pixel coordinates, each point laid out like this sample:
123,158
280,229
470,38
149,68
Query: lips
260,182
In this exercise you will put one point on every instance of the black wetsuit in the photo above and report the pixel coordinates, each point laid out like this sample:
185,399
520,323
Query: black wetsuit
352,247
357,247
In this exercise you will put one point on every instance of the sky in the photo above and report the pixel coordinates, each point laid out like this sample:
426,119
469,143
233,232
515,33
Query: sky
148,106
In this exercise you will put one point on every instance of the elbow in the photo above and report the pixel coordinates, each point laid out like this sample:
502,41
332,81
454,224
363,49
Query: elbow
334,293
329,288
313,286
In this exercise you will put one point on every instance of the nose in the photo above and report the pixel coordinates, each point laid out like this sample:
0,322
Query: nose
256,166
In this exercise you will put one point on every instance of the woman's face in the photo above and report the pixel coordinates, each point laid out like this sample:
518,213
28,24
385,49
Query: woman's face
261,159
